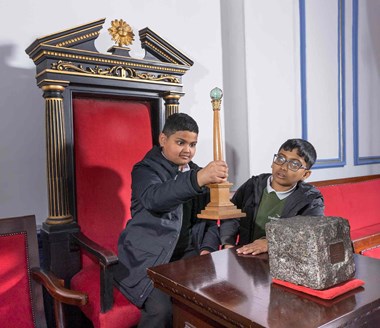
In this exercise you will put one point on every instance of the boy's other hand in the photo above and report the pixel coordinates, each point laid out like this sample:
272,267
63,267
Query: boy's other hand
257,247
214,172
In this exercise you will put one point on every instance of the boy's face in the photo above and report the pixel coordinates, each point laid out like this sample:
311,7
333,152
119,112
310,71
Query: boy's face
284,178
180,147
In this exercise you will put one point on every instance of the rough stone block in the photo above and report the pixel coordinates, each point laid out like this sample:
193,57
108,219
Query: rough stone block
312,251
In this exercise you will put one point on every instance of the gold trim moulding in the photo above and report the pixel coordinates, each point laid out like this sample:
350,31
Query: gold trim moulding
53,87
165,55
80,38
97,60
99,53
107,77
173,96
151,45
62,83
57,220
118,71
53,99
102,20
150,36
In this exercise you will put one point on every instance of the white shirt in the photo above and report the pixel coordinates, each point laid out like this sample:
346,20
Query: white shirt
280,194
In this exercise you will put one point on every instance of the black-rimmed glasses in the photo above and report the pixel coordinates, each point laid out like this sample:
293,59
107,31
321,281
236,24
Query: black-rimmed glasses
293,164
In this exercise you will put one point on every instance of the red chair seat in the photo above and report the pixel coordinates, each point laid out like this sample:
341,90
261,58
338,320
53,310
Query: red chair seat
365,231
372,252
123,314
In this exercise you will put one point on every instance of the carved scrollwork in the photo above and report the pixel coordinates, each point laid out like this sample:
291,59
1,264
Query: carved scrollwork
117,71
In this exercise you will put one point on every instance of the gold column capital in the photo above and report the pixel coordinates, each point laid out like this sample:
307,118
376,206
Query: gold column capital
53,87
172,95
171,102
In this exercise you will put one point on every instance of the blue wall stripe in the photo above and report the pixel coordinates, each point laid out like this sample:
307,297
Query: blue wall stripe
303,68
342,80
355,94
341,112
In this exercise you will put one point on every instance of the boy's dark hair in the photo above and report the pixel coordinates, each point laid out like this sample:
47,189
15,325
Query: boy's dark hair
179,122
304,149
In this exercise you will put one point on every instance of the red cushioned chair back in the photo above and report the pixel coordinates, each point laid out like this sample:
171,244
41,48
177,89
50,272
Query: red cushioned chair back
110,136
21,303
344,200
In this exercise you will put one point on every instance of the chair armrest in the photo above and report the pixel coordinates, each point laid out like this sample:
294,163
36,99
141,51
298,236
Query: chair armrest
107,259
364,243
56,289
105,256
60,294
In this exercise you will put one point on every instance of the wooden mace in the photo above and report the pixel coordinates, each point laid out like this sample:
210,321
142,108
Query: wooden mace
219,206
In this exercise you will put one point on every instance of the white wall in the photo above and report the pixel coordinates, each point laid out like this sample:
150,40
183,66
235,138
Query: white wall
268,104
249,48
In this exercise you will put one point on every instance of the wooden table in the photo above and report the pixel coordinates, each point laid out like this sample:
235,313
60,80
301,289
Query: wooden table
224,289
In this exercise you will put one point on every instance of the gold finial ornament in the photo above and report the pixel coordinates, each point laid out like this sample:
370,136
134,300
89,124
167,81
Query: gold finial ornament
121,32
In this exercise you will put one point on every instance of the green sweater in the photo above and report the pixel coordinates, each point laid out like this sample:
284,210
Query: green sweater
270,206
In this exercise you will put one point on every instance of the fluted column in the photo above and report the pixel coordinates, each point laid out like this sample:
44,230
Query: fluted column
59,212
171,103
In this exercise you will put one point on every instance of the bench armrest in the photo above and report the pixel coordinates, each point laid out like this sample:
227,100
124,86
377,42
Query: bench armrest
365,243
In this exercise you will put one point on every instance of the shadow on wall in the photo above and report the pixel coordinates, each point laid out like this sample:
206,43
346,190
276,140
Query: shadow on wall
23,187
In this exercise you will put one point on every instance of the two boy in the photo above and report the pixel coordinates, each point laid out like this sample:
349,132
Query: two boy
168,190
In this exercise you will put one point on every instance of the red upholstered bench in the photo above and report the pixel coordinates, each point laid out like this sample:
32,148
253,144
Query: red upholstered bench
357,200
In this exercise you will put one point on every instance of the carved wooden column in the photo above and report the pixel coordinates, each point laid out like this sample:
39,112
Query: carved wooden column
58,256
171,103
56,156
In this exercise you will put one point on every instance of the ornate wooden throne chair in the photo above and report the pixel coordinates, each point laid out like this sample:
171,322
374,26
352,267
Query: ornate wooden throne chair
21,303
103,113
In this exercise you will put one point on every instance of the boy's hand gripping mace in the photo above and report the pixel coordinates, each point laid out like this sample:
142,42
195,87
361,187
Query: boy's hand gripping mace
219,206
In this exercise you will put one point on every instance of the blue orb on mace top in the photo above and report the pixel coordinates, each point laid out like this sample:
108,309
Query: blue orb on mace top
216,94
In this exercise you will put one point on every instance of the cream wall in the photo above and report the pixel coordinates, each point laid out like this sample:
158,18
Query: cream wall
249,48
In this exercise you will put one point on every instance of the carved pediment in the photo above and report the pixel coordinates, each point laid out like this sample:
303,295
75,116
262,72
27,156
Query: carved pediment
80,37
71,53
157,47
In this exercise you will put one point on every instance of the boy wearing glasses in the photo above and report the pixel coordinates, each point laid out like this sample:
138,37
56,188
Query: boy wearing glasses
282,194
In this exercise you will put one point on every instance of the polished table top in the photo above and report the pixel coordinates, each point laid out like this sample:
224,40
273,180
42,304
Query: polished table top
238,289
